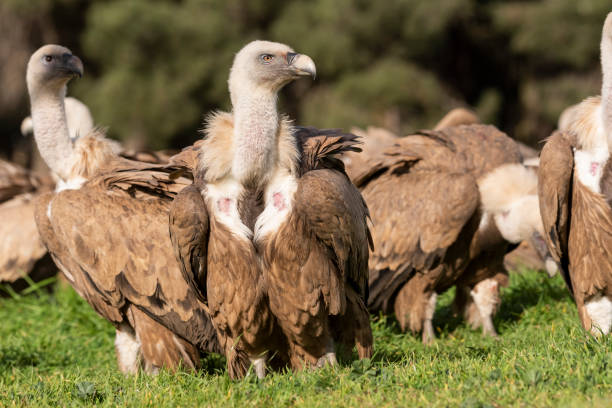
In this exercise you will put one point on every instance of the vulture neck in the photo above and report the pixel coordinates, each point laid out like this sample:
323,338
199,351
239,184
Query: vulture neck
51,131
606,88
256,125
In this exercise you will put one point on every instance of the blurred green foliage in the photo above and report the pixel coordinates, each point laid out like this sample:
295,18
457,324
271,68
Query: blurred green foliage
154,68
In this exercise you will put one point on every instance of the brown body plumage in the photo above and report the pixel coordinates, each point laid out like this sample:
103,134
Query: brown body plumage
429,230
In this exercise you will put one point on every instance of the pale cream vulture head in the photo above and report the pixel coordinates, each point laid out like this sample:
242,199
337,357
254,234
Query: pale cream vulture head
50,68
267,65
509,193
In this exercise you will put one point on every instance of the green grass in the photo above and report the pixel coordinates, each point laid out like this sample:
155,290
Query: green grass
54,350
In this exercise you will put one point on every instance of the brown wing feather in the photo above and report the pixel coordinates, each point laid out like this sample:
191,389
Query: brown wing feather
555,176
375,142
321,148
417,216
478,148
189,227
336,213
62,258
114,241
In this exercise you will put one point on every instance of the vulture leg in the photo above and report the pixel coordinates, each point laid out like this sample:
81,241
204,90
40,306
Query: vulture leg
585,319
259,366
599,310
415,304
329,357
428,331
478,289
486,299
463,304
127,347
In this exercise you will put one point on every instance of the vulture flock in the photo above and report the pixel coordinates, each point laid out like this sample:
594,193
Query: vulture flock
271,243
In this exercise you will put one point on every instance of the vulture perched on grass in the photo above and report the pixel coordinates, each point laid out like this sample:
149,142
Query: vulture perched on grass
106,227
575,190
435,224
273,233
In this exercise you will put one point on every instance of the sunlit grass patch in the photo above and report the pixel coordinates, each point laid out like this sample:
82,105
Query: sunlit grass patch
54,350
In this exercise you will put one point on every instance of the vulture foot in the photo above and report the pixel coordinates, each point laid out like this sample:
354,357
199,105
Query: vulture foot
599,310
486,298
551,267
259,366
327,358
428,331
487,327
127,347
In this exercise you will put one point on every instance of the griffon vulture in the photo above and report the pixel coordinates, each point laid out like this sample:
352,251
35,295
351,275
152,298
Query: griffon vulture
106,227
575,189
273,233
431,230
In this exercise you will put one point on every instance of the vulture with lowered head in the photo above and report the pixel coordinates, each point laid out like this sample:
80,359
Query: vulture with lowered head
439,222
106,227
575,190
273,233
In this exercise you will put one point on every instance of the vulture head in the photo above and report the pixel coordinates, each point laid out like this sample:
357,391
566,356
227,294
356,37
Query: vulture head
266,65
50,68
509,194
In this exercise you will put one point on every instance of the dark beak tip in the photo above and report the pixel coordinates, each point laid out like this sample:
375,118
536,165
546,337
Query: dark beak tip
291,57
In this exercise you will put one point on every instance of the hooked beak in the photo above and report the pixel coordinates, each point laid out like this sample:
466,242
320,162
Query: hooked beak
302,65
73,65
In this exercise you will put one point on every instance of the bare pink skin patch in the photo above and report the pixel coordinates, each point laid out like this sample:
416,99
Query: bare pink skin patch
223,204
278,200
594,168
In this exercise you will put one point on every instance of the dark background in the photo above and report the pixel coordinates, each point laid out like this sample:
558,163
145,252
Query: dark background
154,68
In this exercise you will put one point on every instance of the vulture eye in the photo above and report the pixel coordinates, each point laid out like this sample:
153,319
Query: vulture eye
266,58
48,58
